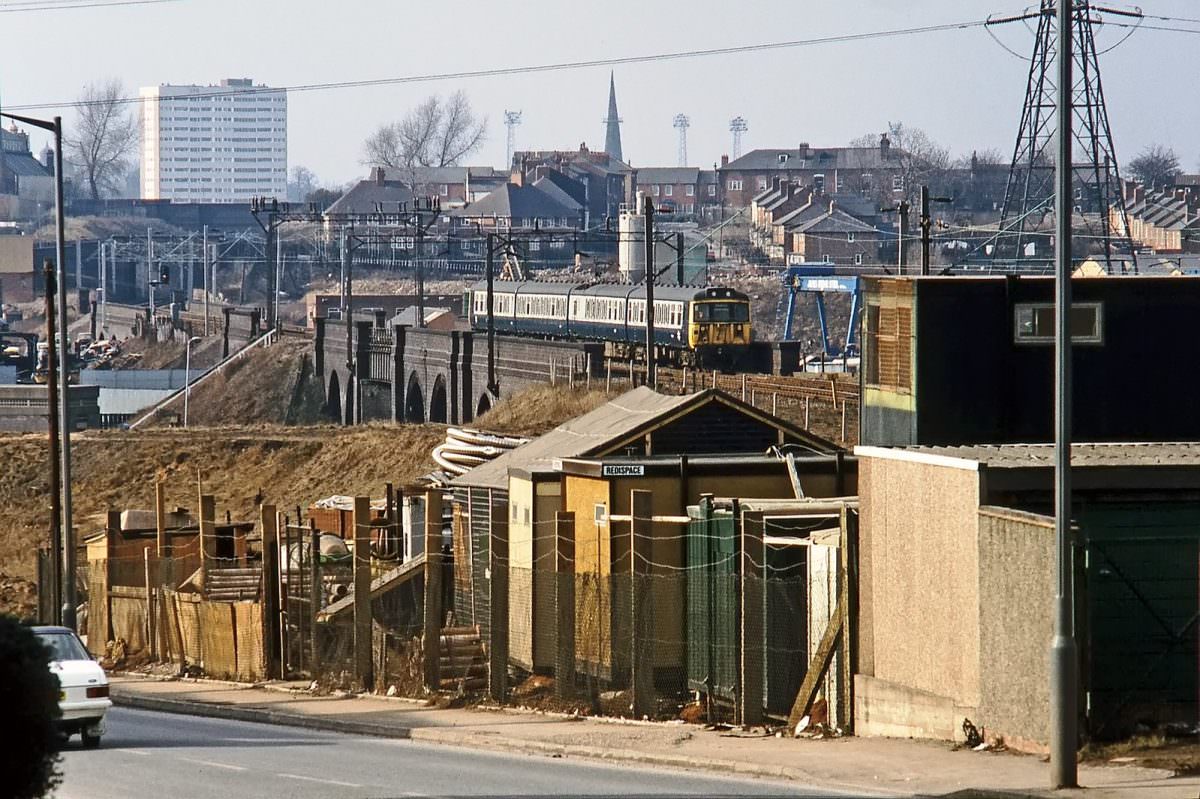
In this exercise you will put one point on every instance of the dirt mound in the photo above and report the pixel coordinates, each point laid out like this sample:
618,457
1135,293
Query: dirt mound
18,597
540,409
270,385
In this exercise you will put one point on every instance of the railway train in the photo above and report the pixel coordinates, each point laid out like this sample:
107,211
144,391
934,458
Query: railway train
707,327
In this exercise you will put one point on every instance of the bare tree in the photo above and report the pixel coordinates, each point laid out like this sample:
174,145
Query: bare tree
303,183
436,132
918,158
1155,166
107,135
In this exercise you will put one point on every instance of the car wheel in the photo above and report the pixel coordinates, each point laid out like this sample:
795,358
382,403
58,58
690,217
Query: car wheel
90,740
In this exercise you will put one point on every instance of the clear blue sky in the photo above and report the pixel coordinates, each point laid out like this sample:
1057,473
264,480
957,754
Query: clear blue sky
958,85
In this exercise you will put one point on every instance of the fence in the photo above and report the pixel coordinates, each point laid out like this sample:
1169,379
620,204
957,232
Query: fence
162,609
741,604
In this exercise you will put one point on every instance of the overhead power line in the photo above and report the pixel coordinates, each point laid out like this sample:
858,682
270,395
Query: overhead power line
70,5
532,68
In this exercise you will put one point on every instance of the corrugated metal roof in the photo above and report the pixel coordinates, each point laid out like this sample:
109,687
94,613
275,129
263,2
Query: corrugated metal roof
1015,456
583,435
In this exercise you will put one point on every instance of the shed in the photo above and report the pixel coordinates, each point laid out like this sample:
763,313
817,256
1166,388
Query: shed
511,501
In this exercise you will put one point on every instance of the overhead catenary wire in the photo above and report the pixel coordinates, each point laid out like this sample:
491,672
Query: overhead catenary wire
70,5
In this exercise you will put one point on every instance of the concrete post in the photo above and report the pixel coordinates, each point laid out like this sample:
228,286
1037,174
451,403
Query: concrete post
316,593
564,604
641,606
363,660
433,590
498,596
751,569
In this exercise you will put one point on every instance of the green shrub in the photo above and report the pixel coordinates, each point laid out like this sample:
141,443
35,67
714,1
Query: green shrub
29,742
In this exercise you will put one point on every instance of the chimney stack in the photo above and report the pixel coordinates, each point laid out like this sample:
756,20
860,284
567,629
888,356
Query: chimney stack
724,161
885,147
378,174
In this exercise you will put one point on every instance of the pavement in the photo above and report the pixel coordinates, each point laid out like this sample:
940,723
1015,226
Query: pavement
860,766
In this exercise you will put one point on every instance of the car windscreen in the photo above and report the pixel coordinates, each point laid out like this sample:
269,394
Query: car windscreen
64,646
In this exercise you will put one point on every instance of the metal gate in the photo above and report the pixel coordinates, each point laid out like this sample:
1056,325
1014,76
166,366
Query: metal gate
1141,604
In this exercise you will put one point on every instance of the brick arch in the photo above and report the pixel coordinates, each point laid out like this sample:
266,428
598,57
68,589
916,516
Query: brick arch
438,401
333,397
414,400
483,405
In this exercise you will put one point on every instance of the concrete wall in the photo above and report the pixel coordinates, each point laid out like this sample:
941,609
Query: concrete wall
918,591
1016,623
23,408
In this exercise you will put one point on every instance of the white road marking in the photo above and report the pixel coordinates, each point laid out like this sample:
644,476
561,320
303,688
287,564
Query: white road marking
212,763
133,752
318,779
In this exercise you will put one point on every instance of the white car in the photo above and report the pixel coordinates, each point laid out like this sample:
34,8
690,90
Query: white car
83,685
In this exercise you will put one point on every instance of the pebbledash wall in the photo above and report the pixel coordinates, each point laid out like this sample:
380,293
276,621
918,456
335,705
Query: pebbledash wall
400,373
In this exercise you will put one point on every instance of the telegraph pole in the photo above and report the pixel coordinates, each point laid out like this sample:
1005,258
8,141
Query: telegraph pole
927,225
901,208
651,376
1064,663
491,310
204,254
56,532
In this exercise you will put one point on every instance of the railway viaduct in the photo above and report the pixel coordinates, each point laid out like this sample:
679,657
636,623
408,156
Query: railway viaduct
400,373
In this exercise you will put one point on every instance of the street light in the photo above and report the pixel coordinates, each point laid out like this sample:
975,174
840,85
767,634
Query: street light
68,599
187,377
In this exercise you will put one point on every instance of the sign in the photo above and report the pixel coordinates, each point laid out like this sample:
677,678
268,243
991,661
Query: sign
622,470
845,285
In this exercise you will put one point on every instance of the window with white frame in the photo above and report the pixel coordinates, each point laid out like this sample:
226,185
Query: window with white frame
667,190
1033,323
735,185
712,190
858,259
654,189
850,236
898,183
690,190
761,182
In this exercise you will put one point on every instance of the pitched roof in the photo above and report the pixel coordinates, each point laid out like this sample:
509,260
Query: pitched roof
363,197
835,221
568,184
557,192
25,165
517,202
610,426
816,159
668,174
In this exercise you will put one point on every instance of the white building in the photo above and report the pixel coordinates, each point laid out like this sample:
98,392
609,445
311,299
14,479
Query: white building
214,144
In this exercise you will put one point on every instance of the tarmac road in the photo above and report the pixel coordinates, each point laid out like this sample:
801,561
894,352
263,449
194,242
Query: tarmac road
147,755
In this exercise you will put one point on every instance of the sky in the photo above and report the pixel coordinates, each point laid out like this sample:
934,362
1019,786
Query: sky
958,85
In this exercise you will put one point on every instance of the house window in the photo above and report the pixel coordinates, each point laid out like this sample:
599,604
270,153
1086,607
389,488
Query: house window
858,259
1033,323
827,258
819,182
654,189
600,514
691,190
712,190
761,182
667,190
735,185
443,190
898,183
850,236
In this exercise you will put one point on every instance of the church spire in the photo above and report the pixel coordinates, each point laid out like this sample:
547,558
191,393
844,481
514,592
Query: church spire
612,138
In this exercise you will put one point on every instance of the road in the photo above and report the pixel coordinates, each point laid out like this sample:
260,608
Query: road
156,755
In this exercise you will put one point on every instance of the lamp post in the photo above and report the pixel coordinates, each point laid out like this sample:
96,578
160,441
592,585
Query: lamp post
187,377
68,532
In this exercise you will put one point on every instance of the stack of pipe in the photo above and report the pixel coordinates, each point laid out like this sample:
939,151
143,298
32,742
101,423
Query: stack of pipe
465,449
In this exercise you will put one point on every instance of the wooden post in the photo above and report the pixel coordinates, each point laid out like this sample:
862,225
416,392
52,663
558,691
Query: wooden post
208,529
607,377
564,604
807,408
641,604
498,610
752,571
433,590
151,644
363,659
774,404
160,519
285,583
843,421
743,387
270,607
315,595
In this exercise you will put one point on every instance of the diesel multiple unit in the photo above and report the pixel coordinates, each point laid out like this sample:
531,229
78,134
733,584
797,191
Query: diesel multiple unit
707,327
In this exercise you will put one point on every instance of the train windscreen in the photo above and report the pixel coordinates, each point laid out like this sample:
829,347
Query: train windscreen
722,312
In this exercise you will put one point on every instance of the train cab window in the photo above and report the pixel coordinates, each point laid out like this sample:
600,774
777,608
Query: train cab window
722,312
